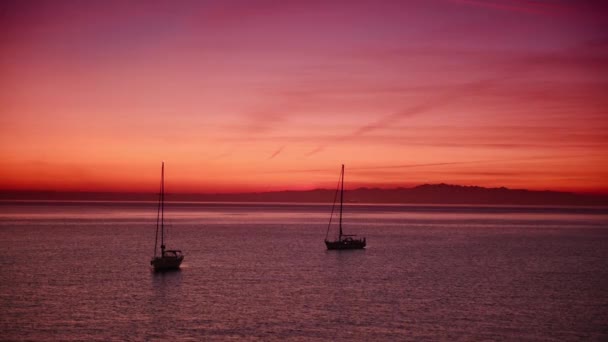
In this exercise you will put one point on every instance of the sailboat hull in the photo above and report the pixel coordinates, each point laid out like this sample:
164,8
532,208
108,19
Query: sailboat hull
345,244
169,260
166,263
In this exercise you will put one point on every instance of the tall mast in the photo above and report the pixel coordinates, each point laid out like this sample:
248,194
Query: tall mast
341,200
160,198
162,210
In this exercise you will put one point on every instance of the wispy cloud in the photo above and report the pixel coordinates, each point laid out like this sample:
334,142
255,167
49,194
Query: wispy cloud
503,74
277,152
261,122
538,158
221,155
522,6
315,151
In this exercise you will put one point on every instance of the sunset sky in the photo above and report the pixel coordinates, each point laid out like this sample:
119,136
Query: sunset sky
273,95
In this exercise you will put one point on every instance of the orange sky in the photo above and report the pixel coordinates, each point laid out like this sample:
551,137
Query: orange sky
264,95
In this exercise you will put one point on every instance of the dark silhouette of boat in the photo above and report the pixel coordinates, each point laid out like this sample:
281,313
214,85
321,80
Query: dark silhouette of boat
344,241
168,259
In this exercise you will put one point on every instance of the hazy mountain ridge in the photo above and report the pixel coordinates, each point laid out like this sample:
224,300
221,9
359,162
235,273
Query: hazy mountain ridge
422,194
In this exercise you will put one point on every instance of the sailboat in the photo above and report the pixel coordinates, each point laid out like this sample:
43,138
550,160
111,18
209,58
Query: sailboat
344,241
168,259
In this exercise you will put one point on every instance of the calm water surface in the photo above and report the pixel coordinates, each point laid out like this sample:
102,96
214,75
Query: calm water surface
80,271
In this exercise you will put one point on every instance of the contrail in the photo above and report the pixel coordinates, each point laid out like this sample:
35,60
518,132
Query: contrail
277,152
445,98
316,150
406,166
393,118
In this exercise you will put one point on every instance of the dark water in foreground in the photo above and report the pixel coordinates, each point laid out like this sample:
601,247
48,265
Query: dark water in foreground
74,271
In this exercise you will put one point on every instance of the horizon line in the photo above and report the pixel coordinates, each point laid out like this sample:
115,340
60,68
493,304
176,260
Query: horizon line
135,192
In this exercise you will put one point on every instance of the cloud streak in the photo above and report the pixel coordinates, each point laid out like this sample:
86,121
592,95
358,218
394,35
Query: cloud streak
276,153
538,158
450,95
528,7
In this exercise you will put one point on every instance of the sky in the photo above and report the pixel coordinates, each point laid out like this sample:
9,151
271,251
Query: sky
240,96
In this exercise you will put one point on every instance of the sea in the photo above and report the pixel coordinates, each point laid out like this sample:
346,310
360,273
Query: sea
80,271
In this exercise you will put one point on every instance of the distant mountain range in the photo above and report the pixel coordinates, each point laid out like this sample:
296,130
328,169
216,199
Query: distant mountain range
423,194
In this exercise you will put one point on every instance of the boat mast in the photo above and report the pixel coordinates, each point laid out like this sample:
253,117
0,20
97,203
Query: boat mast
341,201
160,194
162,210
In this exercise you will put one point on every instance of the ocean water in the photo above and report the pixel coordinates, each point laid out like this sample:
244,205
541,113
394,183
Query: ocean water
80,271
